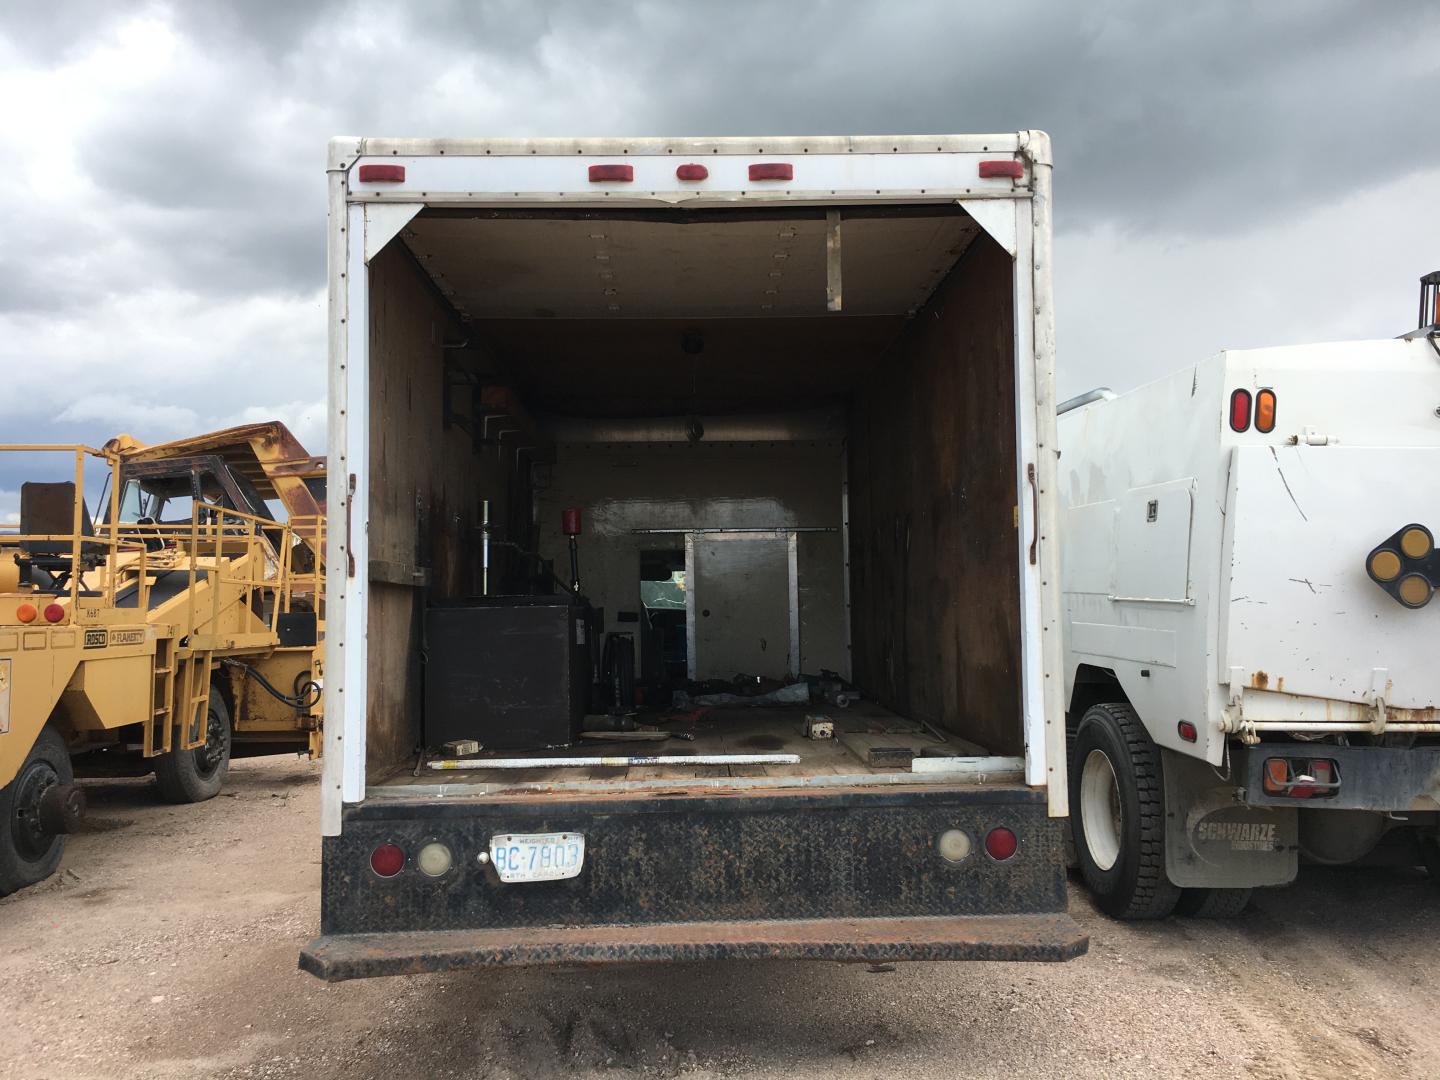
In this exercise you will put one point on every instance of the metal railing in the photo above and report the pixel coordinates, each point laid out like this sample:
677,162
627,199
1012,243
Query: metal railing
241,558
105,545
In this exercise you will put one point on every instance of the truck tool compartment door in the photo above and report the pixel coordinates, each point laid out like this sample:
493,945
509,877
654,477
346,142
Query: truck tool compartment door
1303,616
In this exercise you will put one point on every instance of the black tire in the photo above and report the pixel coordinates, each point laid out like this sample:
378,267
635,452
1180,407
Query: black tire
27,853
1213,903
189,776
1123,860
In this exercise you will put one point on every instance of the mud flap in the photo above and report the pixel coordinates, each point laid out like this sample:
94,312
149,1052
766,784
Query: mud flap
1213,841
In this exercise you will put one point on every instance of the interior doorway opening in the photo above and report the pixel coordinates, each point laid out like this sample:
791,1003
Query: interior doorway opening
664,639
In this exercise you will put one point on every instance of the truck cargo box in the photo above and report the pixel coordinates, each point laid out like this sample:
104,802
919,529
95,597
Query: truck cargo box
799,392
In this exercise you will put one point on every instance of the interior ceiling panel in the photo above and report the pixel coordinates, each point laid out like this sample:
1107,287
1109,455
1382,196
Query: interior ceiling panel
621,367
586,313
544,266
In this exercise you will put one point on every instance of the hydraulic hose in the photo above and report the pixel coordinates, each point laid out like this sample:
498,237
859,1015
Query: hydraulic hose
307,690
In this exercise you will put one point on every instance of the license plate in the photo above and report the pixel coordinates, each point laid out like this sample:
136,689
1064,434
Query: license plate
537,856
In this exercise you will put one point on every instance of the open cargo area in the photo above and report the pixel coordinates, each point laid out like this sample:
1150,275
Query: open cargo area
771,493
695,595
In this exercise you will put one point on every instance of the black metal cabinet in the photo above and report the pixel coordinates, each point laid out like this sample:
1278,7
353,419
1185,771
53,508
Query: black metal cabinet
510,671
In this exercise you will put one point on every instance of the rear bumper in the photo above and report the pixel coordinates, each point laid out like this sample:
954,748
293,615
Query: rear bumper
843,873
336,957
1379,778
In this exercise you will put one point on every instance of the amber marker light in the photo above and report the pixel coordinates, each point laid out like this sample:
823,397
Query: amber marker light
1414,591
1415,543
1385,565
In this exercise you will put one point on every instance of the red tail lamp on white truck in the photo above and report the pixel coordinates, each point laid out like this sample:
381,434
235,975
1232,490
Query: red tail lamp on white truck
800,392
1248,568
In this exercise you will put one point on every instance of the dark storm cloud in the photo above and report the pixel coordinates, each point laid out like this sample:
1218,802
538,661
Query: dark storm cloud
1183,119
1186,118
197,167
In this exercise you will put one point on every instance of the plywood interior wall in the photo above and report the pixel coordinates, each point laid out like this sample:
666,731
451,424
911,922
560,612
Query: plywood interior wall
935,580
427,481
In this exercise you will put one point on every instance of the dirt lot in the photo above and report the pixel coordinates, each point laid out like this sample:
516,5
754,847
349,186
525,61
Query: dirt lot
166,948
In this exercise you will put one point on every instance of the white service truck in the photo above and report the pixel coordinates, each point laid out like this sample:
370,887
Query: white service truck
1248,565
806,385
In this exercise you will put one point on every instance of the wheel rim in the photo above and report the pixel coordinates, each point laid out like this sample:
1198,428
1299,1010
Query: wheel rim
32,841
209,757
1100,816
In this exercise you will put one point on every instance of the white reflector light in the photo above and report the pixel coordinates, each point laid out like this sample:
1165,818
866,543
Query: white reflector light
434,859
954,845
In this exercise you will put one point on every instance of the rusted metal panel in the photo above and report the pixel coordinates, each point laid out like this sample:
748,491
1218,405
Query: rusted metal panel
993,937
266,454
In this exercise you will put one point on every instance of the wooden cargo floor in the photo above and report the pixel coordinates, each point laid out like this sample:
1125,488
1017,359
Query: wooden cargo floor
765,730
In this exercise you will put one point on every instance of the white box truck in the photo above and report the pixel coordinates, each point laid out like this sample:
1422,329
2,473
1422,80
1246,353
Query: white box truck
1249,555
799,392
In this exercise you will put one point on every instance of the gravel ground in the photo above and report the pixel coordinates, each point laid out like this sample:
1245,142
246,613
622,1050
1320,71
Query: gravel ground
166,947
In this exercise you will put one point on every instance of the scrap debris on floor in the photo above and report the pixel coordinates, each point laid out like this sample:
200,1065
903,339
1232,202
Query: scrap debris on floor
742,727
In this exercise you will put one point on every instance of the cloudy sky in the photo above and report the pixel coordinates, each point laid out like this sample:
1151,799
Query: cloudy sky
1227,173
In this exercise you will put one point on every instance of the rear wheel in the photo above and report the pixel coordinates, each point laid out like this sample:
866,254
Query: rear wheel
1117,812
1213,903
187,776
28,851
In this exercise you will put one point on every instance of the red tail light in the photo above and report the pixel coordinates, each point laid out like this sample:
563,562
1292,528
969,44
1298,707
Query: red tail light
54,612
773,170
993,170
387,860
1265,411
1298,778
622,173
1323,775
388,174
1240,410
1001,843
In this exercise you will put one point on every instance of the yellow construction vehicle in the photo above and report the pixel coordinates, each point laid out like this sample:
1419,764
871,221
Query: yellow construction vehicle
181,623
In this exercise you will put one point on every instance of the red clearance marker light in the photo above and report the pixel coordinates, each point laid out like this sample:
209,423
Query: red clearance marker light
26,613
54,612
383,174
773,170
692,172
1240,410
623,173
994,170
1001,843
1187,731
387,860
